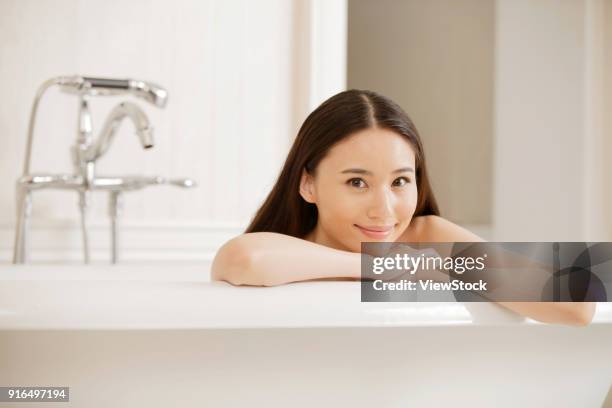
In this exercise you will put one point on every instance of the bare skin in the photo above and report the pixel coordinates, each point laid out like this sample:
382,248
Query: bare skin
366,182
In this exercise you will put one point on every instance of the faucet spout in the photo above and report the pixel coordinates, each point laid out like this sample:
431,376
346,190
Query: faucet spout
111,125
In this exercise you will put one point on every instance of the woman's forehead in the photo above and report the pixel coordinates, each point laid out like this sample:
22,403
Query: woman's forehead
375,147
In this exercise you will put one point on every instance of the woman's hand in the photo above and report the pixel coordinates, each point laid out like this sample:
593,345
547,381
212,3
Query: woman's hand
404,261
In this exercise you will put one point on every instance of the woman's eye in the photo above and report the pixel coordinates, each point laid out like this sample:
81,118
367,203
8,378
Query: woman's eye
403,181
356,182
359,183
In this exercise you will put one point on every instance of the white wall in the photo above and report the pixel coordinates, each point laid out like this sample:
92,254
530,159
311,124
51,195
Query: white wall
243,75
605,118
549,146
234,106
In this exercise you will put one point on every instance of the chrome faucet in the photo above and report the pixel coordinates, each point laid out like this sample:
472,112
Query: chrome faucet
121,111
86,152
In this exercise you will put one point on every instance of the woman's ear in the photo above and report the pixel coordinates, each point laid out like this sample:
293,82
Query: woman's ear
307,187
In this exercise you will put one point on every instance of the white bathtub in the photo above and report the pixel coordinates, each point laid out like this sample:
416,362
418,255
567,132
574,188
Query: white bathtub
163,335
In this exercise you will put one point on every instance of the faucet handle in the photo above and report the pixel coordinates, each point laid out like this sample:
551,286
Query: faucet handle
58,181
146,90
182,182
138,182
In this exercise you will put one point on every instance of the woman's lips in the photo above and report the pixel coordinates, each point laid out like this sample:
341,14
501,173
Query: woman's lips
375,232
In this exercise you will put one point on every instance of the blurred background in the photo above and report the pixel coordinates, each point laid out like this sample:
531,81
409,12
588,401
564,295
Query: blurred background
510,98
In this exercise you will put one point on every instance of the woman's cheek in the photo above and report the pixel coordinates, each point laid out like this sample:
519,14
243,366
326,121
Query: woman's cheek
406,210
342,206
414,195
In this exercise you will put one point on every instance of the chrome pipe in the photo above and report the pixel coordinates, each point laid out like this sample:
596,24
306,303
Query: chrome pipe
32,122
24,209
115,208
84,203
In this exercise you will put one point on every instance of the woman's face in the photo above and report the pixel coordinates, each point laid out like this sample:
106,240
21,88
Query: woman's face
364,189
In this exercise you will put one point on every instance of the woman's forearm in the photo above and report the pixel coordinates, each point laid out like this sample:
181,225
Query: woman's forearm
269,259
569,313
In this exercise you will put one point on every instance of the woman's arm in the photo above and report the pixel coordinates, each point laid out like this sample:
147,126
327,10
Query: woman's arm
269,259
436,229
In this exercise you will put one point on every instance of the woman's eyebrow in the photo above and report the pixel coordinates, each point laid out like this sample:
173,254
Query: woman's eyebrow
363,171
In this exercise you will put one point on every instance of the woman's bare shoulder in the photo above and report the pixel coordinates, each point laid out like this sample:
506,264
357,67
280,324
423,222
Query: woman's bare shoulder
433,228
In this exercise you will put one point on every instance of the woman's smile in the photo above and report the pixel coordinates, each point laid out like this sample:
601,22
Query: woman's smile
376,232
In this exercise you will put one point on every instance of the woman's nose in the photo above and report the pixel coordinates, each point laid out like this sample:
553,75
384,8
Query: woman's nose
381,205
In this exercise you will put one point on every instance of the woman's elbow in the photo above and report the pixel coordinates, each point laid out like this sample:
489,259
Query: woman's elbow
230,263
583,313
234,263
578,314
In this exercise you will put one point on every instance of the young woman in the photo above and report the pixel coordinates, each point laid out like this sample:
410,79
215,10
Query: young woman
356,172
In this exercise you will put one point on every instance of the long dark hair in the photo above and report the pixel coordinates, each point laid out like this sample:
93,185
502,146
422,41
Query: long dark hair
285,211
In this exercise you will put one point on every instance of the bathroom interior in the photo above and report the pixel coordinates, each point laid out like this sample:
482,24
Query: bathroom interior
115,200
